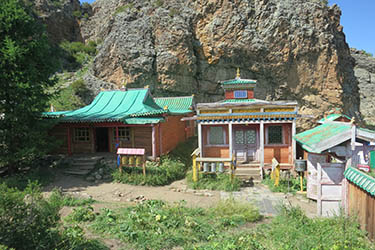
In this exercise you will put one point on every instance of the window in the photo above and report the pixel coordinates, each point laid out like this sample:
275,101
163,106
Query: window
123,134
240,94
81,134
216,136
275,135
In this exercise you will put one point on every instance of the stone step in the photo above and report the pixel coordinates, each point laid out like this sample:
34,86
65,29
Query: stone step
248,171
76,171
249,164
79,164
246,176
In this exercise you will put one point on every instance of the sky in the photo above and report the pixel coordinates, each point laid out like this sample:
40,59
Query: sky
358,20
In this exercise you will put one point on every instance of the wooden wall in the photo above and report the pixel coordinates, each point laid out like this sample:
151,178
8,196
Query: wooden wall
143,139
215,150
173,131
61,135
362,204
283,153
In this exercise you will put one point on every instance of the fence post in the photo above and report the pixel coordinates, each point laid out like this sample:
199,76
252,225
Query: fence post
195,169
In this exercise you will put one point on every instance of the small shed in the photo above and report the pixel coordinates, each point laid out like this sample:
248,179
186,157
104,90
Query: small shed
331,148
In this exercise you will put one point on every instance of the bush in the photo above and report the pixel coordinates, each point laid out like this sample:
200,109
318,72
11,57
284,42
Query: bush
28,221
158,225
214,182
165,174
81,214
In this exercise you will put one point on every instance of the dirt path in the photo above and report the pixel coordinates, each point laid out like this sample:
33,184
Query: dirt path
118,192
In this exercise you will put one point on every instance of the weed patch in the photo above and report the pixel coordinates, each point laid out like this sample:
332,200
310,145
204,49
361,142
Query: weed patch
214,182
285,186
165,174
158,225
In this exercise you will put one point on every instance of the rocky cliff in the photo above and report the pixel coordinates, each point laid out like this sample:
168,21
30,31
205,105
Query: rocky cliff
364,70
295,49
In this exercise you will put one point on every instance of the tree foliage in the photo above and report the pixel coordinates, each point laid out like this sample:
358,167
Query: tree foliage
26,66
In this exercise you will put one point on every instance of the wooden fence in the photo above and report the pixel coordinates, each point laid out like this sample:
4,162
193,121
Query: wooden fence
362,204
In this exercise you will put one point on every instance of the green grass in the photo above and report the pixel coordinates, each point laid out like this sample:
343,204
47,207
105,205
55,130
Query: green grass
285,186
61,200
164,174
173,167
292,229
158,225
214,182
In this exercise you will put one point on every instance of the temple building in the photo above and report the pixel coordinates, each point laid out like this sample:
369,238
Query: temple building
124,118
250,130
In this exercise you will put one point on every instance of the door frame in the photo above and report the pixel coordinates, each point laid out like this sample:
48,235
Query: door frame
246,148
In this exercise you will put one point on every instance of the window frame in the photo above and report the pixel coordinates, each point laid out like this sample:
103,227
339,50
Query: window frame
123,137
242,94
225,143
82,134
282,135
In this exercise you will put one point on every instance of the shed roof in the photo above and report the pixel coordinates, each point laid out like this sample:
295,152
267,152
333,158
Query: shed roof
360,179
332,117
116,106
330,134
176,105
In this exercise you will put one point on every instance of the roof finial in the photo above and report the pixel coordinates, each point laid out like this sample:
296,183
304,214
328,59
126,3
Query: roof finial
52,109
238,73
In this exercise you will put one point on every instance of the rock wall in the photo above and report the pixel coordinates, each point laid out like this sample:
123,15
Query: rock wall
365,72
295,49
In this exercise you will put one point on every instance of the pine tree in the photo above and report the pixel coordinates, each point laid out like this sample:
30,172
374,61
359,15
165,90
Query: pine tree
26,66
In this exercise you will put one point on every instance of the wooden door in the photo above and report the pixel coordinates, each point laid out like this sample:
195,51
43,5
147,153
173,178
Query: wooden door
330,178
245,144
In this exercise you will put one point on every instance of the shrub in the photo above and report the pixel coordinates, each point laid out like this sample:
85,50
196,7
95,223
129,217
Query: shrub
214,182
285,186
28,221
81,214
158,225
165,174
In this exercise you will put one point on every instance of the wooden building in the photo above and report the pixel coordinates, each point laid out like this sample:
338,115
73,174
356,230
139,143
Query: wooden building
251,130
124,118
331,148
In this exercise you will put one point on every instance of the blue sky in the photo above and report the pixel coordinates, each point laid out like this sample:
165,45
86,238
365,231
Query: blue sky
358,19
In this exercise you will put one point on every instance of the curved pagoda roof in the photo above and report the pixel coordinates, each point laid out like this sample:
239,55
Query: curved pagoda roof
134,106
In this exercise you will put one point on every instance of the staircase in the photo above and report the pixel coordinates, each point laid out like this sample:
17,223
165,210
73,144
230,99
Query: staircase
249,172
82,164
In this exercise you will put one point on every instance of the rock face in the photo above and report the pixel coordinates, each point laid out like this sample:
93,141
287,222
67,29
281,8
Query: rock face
365,72
61,18
295,49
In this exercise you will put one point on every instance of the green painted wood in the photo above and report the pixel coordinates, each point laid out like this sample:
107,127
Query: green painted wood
372,159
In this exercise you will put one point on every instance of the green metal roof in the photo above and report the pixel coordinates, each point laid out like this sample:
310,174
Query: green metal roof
176,105
314,140
114,106
238,81
360,179
332,117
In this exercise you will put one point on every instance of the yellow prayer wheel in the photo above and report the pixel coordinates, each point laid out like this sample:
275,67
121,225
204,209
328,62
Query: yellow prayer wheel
138,161
124,160
131,160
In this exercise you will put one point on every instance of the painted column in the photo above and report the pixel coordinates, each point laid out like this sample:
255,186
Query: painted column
261,139
117,140
230,131
153,142
160,140
200,137
294,144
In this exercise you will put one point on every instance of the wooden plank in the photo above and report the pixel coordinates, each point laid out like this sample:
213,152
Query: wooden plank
319,190
370,216
153,142
200,139
294,144
209,159
230,133
261,142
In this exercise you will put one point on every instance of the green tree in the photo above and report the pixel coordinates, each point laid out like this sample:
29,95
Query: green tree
26,66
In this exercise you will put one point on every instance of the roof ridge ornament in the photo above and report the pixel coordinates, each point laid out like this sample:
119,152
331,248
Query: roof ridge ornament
238,76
